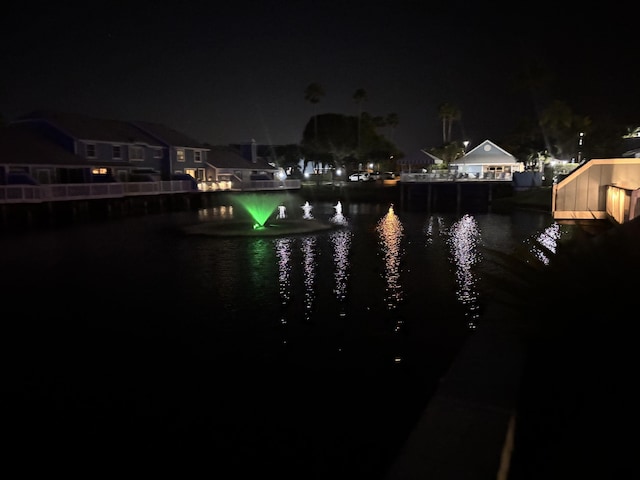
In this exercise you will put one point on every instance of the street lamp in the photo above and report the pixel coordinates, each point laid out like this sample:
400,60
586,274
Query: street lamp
580,145
466,144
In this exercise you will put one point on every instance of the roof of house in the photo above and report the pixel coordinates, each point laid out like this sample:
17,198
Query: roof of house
420,157
168,135
21,145
230,157
486,153
87,128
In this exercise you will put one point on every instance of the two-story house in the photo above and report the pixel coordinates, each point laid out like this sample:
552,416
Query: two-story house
29,157
49,147
111,149
182,155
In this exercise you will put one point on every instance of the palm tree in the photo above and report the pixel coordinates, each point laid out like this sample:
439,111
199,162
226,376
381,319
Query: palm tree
313,93
561,127
448,114
359,96
392,121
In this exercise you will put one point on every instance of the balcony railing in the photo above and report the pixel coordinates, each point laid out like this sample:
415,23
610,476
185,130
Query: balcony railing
450,177
87,191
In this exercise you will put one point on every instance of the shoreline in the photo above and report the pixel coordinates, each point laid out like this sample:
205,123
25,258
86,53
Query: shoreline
535,198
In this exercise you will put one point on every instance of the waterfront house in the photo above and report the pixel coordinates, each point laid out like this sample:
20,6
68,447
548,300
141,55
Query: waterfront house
113,149
181,154
237,167
48,147
487,161
27,156
55,148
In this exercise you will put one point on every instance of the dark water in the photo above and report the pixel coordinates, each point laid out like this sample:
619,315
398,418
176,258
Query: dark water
128,344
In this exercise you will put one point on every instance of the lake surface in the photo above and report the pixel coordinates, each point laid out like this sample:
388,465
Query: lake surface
131,343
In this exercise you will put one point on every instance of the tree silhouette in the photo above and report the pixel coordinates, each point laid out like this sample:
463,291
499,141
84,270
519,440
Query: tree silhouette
313,93
448,114
359,96
392,122
561,128
336,142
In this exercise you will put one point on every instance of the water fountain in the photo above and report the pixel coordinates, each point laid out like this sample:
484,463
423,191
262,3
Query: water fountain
261,208
282,212
306,208
338,218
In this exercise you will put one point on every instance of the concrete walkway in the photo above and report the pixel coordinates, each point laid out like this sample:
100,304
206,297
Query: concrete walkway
465,431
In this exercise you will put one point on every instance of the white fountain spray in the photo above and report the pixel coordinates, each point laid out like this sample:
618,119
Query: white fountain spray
338,218
306,208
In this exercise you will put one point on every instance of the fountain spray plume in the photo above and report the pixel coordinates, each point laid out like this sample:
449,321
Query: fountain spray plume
260,206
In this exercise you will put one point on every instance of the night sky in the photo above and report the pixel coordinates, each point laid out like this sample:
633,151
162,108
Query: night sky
228,73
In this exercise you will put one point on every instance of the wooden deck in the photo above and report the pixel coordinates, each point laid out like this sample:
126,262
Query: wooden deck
601,189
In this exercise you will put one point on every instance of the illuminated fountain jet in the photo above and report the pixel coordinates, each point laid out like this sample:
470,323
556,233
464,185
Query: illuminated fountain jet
306,208
338,218
259,206
262,221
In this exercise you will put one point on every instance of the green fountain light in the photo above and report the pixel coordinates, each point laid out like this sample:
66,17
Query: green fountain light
260,206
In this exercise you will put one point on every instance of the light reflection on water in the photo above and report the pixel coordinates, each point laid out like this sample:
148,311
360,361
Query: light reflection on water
283,252
462,236
389,229
433,226
260,255
309,271
220,213
463,239
546,241
341,241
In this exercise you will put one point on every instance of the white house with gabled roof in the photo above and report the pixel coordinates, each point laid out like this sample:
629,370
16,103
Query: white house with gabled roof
488,161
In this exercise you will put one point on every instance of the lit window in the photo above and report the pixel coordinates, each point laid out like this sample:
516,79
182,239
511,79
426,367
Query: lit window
180,155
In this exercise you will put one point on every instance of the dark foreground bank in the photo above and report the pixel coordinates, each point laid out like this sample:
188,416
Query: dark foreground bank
544,390
576,403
